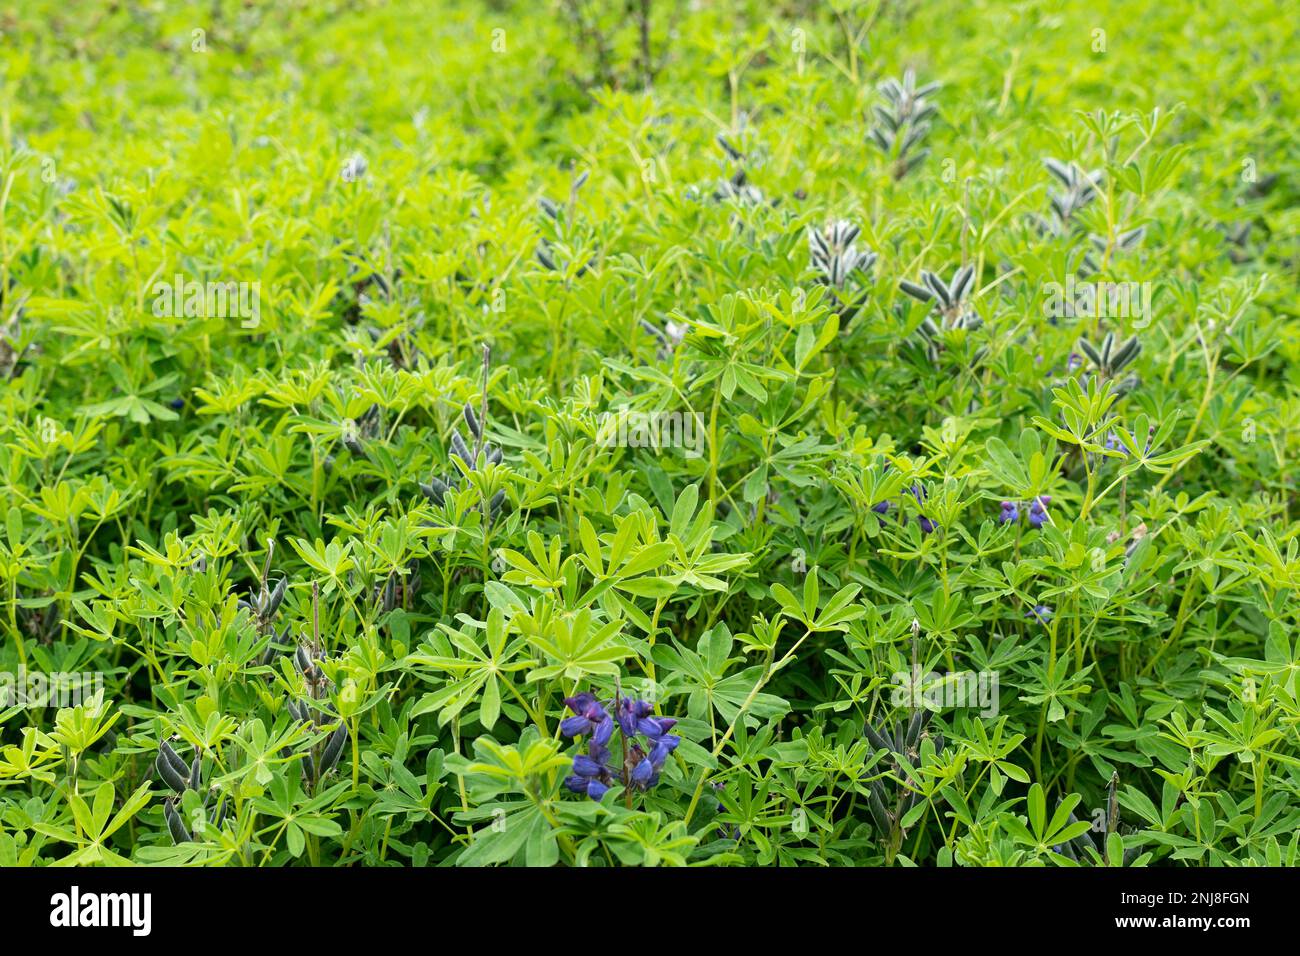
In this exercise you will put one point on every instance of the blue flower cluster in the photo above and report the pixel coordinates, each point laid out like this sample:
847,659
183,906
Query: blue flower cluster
648,744
1010,512
928,526
1040,613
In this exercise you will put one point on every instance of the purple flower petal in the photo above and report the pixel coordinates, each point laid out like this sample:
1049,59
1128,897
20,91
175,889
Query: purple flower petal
584,766
579,703
575,726
643,773
664,746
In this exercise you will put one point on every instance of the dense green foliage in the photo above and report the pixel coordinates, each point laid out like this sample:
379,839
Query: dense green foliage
526,211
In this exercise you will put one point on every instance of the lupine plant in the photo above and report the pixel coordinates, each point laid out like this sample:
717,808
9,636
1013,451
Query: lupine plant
488,434
903,121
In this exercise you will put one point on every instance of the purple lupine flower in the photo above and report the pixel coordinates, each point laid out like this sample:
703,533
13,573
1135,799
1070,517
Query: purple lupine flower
585,765
635,717
725,832
882,507
589,717
663,746
646,772
630,713
644,775
656,728
1010,513
1041,612
1038,511
927,526
1113,443
591,774
177,404
1074,362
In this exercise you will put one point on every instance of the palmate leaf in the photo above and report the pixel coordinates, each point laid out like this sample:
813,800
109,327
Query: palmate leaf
331,560
578,648
520,833
94,826
478,670
698,566
701,674
516,763
544,570
645,840
835,616
1043,833
627,559
729,695
1006,467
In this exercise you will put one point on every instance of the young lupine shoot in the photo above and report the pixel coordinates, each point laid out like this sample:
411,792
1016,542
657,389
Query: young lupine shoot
841,266
559,218
669,337
736,187
903,121
952,309
437,488
1079,188
1109,360
901,750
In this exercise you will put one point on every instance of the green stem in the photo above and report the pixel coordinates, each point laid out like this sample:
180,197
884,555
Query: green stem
744,708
